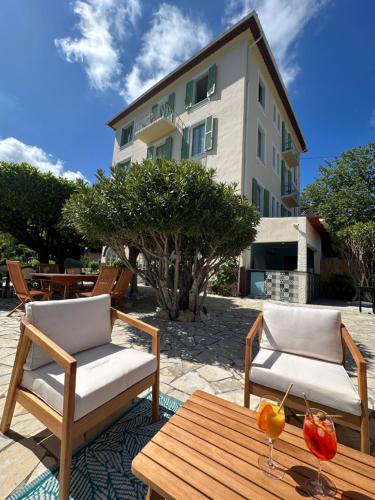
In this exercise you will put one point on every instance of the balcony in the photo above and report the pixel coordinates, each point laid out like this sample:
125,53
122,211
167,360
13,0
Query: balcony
290,153
290,195
154,126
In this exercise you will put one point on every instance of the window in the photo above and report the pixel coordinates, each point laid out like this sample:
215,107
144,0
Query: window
198,140
277,209
126,135
261,144
276,118
274,157
201,88
125,163
160,151
273,207
259,199
262,94
278,163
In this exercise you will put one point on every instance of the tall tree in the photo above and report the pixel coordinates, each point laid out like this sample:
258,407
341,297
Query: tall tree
344,195
31,211
183,222
344,192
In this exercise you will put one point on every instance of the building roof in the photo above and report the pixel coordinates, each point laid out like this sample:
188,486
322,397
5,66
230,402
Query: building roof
250,22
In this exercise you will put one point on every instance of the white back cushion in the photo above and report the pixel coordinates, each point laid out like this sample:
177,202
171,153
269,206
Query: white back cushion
303,330
74,325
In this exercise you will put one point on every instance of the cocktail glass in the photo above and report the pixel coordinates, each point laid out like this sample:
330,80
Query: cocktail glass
270,419
320,437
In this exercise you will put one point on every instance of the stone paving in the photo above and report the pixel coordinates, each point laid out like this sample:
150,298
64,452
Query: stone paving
207,355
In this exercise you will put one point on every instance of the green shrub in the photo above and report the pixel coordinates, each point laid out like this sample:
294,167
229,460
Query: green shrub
225,280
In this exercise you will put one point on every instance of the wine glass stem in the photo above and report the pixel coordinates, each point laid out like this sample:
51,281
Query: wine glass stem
319,471
270,458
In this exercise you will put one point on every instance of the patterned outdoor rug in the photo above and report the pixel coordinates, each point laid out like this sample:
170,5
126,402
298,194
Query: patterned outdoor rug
102,468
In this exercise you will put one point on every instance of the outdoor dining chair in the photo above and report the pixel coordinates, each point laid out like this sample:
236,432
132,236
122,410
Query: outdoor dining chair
20,286
121,285
69,375
104,284
307,346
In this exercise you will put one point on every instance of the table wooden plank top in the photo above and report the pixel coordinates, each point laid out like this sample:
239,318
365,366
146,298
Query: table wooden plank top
210,449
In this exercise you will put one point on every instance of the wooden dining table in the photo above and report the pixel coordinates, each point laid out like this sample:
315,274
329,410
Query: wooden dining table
66,280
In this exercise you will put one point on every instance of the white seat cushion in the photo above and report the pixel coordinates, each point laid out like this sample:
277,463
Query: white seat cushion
307,331
323,382
74,325
102,373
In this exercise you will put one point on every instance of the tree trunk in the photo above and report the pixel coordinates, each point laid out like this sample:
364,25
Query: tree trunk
133,256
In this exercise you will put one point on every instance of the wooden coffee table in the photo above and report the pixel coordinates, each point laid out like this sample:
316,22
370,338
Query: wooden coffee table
210,448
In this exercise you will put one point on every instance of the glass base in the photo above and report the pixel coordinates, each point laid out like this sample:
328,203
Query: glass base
320,489
274,469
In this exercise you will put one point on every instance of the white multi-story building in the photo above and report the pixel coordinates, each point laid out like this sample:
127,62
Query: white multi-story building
228,108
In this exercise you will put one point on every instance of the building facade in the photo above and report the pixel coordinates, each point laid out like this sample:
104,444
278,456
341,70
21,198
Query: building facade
227,108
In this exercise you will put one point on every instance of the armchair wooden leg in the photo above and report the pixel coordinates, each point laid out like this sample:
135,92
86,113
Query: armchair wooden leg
365,438
246,399
65,465
15,380
155,401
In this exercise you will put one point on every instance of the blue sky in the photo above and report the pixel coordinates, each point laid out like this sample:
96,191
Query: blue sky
67,67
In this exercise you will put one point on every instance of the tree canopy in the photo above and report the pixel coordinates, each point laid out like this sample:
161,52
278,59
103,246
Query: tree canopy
344,195
31,211
344,192
183,222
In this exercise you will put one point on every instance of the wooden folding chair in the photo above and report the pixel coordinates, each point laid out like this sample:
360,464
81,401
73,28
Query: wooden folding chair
104,284
89,379
20,286
121,285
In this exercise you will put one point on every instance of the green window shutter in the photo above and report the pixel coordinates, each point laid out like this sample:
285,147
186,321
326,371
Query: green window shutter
254,192
150,153
189,94
185,143
171,99
208,143
289,181
168,148
266,203
211,87
154,109
283,173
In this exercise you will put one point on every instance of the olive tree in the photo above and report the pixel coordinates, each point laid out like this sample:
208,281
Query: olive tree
183,222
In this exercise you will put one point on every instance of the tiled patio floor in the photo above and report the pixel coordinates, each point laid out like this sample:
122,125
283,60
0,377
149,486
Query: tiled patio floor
208,356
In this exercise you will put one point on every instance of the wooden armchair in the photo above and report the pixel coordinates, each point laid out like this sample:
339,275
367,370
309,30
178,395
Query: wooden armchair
70,376
104,284
121,285
20,286
307,346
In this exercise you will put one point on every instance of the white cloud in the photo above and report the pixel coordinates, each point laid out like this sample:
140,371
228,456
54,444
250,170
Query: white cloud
372,119
171,40
283,22
102,25
13,150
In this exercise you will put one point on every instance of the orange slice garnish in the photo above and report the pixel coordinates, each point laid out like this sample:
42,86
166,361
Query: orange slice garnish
263,416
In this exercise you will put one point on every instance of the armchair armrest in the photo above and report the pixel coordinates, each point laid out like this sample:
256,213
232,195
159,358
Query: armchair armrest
61,357
360,364
140,325
256,329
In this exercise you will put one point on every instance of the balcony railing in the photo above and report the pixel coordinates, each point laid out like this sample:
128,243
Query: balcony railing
290,153
154,126
290,195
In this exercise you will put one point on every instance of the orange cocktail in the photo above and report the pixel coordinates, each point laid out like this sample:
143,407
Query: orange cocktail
270,419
